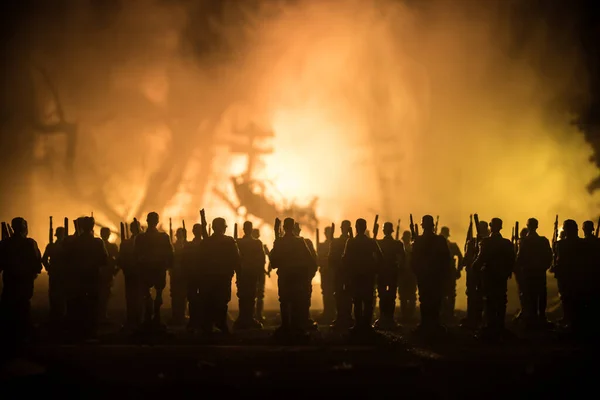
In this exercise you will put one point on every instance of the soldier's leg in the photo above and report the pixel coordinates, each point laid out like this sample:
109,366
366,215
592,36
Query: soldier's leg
260,297
56,299
343,302
178,296
542,297
222,305
327,291
104,291
369,300
246,291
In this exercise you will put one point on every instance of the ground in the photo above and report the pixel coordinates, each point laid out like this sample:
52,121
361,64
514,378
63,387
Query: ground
458,365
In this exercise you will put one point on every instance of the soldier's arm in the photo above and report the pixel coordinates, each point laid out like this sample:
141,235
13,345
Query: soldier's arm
236,258
37,258
458,254
481,256
401,255
378,253
169,251
261,256
548,255
103,256
46,258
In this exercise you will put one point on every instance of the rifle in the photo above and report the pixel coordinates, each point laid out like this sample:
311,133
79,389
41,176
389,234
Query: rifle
10,230
554,244
66,225
171,230
235,231
76,225
205,234
469,233
598,228
477,229
435,228
123,233
413,232
277,228
184,230
376,227
127,233
51,233
398,231
517,237
332,230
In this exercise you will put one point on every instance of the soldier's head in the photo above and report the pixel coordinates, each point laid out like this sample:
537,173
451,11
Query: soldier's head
524,232
427,223
60,233
588,228
346,226
135,227
180,234
256,233
532,224
297,229
496,225
79,222
248,228
19,226
484,228
361,226
87,225
219,226
406,236
570,229
152,220
388,228
197,231
105,234
328,233
445,232
288,225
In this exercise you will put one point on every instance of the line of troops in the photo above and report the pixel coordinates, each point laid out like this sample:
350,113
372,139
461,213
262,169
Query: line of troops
354,269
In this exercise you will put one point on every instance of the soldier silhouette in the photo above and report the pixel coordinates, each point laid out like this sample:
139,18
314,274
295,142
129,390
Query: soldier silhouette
430,258
343,298
534,259
177,281
260,286
20,264
191,267
107,274
54,263
220,260
327,278
87,256
474,290
407,283
591,270
387,280
294,264
309,322
495,261
456,258
362,260
133,280
253,267
153,253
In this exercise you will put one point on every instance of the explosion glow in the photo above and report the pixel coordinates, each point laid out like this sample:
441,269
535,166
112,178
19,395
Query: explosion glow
376,107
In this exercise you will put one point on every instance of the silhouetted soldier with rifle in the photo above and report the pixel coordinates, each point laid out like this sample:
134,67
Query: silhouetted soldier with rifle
495,261
327,278
310,324
294,264
253,267
55,265
456,258
394,259
107,274
153,253
534,259
260,286
177,281
363,260
591,288
20,264
407,283
430,263
132,276
192,269
343,298
219,260
474,290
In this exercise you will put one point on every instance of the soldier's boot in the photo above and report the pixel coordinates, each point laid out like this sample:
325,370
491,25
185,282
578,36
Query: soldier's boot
260,306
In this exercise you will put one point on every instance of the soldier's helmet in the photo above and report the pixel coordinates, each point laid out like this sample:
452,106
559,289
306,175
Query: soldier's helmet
406,235
361,225
180,233
327,232
496,224
388,228
570,228
87,224
60,232
288,224
445,232
255,233
346,225
427,222
219,225
532,223
135,227
197,230
588,227
483,226
104,233
248,227
19,226
152,219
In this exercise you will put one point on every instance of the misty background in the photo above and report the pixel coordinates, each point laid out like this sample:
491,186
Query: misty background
377,107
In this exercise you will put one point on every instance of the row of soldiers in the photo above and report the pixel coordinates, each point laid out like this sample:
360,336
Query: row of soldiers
81,268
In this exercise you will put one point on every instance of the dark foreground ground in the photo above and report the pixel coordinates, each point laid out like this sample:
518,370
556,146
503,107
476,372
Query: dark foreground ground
534,364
